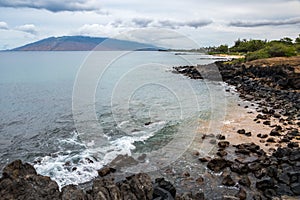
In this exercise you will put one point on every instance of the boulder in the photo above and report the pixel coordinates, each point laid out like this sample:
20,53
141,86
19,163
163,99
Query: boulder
218,164
274,132
241,131
283,189
295,187
222,153
245,181
140,185
105,189
163,189
18,169
264,184
228,181
105,171
242,195
295,155
20,181
71,192
223,144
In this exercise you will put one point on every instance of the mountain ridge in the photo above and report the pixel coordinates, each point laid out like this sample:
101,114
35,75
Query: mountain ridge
85,43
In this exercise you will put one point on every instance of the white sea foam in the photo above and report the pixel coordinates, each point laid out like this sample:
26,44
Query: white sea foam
67,167
64,169
122,124
73,140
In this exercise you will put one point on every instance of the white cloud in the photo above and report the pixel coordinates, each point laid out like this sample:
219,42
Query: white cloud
90,29
28,28
96,30
3,26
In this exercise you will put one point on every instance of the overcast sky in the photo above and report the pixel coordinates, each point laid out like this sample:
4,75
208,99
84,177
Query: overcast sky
205,22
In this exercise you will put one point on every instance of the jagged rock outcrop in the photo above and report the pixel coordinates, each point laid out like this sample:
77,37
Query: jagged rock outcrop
21,181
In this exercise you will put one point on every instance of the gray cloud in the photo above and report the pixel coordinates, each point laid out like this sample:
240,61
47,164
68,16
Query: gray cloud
3,26
27,28
199,23
141,22
117,23
290,21
53,5
168,24
171,24
176,24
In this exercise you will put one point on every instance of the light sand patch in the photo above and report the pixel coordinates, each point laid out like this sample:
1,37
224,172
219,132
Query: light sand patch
236,118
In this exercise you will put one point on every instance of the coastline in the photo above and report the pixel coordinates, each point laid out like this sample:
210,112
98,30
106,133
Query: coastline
264,128
229,170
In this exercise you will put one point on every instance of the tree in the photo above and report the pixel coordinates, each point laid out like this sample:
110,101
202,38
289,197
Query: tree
237,43
254,45
297,40
222,49
286,40
248,46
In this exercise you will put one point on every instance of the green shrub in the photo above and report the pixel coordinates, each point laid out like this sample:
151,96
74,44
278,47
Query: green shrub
297,40
263,53
274,49
259,49
297,46
237,61
279,49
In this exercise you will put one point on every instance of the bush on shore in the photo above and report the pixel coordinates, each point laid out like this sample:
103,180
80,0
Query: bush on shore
258,49
275,49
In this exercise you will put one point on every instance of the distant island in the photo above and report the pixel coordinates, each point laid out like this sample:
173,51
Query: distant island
86,43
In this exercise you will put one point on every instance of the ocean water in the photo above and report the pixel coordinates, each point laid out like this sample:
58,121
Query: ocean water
70,113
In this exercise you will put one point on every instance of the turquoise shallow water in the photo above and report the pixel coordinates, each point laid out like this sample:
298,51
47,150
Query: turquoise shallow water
50,117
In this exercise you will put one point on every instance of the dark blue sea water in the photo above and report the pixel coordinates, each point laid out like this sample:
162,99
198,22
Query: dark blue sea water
70,113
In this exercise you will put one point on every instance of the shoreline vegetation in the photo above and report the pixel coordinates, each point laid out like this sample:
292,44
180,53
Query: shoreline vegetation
252,49
260,165
259,49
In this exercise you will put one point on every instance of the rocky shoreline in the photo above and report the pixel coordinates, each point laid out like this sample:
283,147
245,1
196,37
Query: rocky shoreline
276,91
246,170
21,181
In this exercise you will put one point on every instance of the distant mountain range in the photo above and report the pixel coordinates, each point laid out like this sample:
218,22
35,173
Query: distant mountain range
85,43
